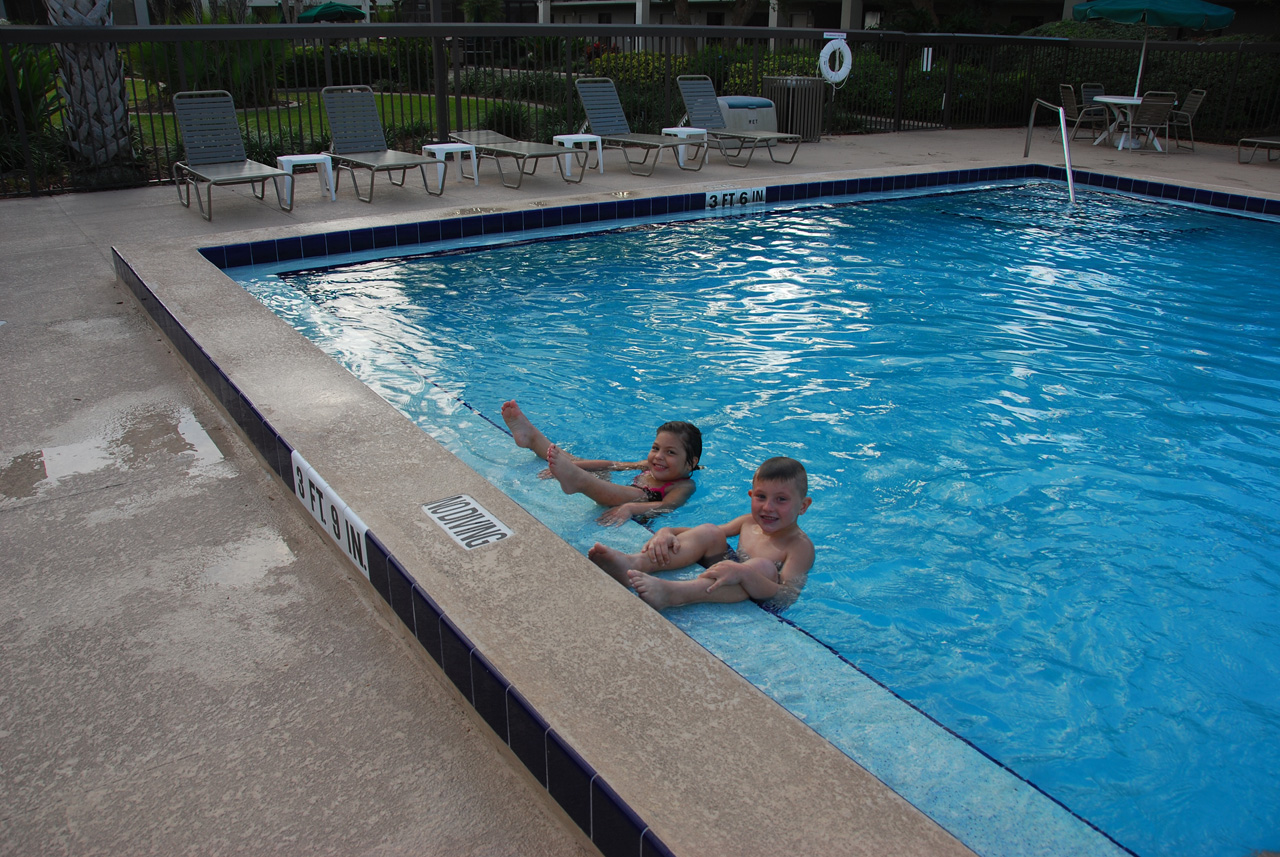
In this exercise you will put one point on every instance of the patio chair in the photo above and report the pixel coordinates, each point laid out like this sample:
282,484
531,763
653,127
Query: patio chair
608,120
1181,117
213,152
491,144
703,109
357,141
1095,115
1151,116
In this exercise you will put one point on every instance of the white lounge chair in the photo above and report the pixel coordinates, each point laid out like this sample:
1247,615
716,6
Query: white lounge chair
357,141
702,106
491,144
213,152
608,120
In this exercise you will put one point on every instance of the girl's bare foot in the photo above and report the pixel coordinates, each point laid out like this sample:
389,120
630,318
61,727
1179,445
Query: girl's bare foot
613,561
526,435
566,471
655,591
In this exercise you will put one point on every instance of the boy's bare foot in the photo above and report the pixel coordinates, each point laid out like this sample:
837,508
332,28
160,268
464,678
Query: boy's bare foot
655,591
613,561
566,471
524,432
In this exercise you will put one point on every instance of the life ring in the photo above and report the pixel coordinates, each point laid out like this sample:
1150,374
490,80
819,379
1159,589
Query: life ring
840,72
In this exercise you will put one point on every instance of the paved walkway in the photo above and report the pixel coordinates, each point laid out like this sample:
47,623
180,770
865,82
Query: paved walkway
152,699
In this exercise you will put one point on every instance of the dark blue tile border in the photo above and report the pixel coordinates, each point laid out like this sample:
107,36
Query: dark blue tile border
432,231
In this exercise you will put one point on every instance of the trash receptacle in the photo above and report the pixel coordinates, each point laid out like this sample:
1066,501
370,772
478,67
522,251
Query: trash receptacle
798,102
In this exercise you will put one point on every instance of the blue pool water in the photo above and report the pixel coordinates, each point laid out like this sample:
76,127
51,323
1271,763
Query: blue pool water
1044,447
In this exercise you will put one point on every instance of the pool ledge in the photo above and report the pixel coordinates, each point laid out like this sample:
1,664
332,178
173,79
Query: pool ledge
649,743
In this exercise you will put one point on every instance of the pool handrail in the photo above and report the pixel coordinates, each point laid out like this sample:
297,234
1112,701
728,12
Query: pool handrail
1066,143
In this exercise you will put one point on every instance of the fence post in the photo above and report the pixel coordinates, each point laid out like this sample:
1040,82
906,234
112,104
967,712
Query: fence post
900,89
949,87
456,66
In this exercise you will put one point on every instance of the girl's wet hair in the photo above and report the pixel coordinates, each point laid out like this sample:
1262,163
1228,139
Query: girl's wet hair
690,439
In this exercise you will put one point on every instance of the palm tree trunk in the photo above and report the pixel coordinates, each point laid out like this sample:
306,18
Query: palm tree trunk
92,85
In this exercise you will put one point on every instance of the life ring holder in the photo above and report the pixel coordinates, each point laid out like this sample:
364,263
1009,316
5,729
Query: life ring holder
835,76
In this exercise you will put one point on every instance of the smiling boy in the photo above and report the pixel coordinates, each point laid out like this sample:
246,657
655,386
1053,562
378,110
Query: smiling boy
771,562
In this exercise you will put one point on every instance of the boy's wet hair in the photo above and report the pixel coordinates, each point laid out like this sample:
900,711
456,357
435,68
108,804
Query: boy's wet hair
783,469
690,438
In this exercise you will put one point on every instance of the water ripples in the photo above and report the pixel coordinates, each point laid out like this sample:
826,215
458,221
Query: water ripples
1044,446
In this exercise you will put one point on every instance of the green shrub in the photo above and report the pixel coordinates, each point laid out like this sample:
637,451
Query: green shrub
36,70
248,70
747,78
49,155
409,137
406,66
517,86
510,118
638,69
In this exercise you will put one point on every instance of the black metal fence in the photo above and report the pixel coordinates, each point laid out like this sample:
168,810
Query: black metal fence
90,107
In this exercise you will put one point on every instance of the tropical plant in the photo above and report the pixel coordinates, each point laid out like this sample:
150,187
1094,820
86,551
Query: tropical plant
92,85
36,82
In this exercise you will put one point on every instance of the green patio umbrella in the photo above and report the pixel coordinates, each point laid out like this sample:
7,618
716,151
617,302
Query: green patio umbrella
1192,14
331,12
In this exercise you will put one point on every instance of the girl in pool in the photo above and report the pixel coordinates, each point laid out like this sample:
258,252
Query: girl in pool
662,484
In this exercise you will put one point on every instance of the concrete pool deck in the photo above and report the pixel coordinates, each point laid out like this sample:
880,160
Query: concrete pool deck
189,666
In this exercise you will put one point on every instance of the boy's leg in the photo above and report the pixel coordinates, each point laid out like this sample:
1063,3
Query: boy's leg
659,593
525,433
574,480
693,545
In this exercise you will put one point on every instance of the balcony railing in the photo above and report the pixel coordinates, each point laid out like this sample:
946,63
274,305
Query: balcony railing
90,107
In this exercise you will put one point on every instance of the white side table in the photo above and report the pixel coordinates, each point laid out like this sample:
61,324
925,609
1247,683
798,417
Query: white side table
572,141
691,134
440,150
324,168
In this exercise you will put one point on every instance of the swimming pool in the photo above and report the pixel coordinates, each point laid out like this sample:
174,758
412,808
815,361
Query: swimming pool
987,623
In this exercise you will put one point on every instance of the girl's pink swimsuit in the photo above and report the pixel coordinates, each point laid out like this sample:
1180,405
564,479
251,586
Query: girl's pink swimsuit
652,495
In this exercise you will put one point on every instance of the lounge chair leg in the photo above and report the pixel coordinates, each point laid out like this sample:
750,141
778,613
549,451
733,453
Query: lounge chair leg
179,182
355,184
794,149
701,159
631,165
206,213
442,170
502,174
288,187
582,172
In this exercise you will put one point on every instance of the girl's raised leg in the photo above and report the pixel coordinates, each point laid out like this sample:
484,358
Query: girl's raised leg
574,480
526,434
